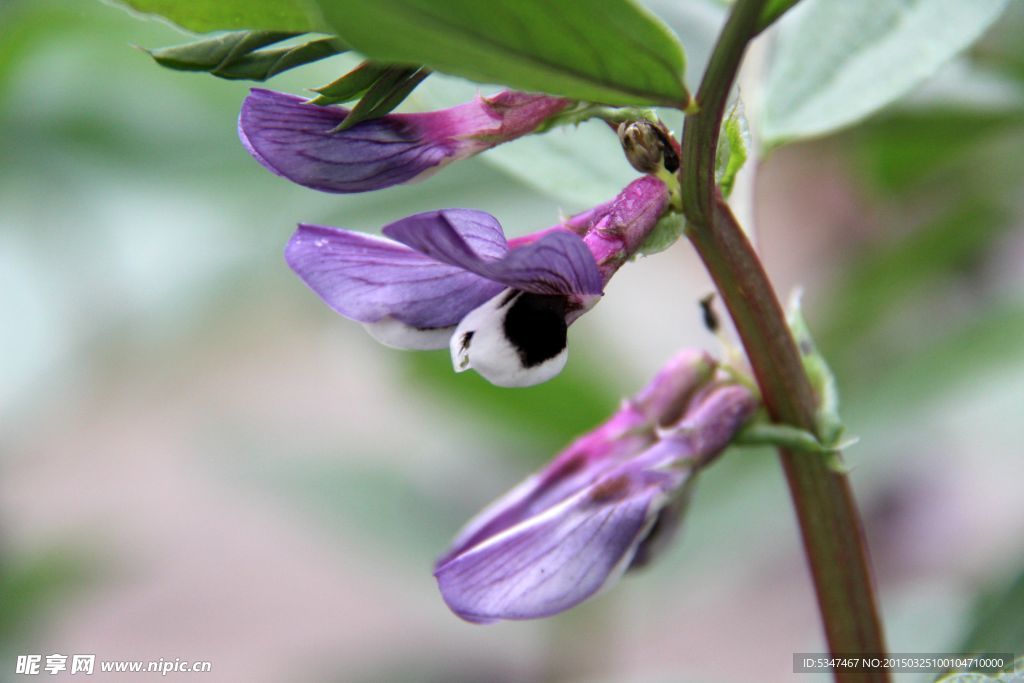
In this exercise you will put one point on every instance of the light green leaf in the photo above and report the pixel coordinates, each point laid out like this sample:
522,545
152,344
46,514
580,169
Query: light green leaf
237,54
201,16
610,51
837,62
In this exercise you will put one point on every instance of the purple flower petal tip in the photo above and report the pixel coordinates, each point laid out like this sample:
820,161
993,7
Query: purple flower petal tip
557,559
298,140
374,280
666,396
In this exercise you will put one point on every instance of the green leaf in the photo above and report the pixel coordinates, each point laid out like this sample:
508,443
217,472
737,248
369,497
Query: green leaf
733,143
236,54
838,62
610,51
351,85
202,16
387,93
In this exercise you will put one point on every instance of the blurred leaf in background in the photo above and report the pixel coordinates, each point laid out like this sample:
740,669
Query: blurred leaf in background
928,308
997,624
839,62
34,587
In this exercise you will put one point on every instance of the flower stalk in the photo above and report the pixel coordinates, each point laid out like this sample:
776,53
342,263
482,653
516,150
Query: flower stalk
830,524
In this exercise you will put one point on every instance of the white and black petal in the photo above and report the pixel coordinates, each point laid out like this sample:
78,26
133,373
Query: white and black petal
516,339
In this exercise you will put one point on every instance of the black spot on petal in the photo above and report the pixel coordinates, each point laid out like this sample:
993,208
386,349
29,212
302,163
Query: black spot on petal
466,339
535,326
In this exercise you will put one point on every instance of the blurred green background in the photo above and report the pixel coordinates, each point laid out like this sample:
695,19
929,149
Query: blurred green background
198,460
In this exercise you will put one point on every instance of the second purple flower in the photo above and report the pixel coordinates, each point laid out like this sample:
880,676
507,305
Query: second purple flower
451,278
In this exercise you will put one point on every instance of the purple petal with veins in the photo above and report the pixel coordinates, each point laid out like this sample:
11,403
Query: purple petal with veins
368,278
297,140
557,263
561,557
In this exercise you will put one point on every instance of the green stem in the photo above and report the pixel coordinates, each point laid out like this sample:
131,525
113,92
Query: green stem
831,527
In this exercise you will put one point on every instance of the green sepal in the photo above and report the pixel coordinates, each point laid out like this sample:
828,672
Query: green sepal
829,427
387,92
351,85
763,433
236,55
733,143
827,421
666,232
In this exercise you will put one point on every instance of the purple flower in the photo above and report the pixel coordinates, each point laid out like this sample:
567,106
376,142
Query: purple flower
450,278
605,504
297,140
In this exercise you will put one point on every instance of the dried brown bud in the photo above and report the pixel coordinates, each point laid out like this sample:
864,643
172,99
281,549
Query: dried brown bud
647,146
